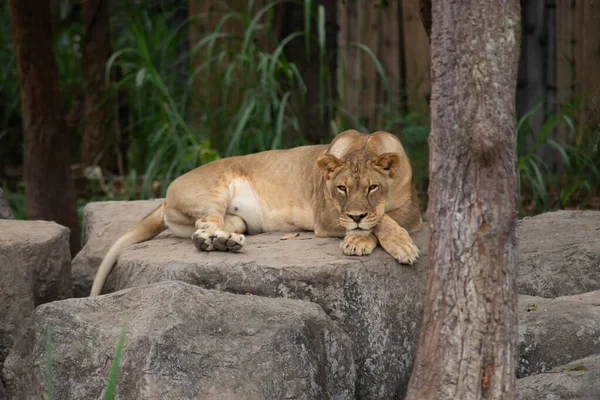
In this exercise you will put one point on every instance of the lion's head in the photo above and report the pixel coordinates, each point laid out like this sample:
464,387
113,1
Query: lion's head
359,186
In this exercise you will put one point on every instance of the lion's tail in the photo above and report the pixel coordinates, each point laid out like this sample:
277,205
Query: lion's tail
150,226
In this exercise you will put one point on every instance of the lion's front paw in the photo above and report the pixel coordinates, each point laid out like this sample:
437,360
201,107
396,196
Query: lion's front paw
202,240
225,241
220,240
406,252
357,245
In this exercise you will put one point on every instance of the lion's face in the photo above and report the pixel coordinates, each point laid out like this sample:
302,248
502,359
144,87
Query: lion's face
359,186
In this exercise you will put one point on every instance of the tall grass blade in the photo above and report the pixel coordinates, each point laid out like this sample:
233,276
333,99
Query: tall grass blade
49,367
321,28
527,116
322,60
109,394
307,24
378,66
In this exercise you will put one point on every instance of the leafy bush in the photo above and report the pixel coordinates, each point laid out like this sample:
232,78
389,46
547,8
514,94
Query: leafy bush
542,186
247,102
162,143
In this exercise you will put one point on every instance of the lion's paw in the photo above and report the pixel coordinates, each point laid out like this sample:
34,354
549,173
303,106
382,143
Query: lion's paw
202,240
220,240
357,245
406,252
225,241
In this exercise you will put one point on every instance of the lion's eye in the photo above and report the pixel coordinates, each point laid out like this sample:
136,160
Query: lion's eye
373,188
342,188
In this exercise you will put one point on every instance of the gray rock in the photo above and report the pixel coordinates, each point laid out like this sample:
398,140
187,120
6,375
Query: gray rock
34,269
562,384
375,300
5,211
103,223
184,342
555,332
592,298
559,253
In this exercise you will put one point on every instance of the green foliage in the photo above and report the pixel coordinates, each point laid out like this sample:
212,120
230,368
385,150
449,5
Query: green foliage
249,95
163,144
235,92
414,133
244,96
541,187
16,201
10,107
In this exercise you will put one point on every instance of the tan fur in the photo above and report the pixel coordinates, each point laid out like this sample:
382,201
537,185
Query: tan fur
285,190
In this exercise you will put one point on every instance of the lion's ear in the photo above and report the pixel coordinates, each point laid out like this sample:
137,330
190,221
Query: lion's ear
387,163
328,164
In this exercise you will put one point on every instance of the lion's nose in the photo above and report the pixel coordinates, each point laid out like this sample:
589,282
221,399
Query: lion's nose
356,217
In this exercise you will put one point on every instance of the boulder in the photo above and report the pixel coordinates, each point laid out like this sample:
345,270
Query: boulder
5,211
555,332
183,342
592,298
577,380
103,223
375,300
559,253
35,265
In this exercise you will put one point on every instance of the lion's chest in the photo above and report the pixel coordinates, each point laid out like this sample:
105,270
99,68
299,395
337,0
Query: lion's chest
244,202
264,212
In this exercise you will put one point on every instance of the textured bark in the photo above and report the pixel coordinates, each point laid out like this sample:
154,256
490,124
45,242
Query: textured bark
98,105
49,185
467,345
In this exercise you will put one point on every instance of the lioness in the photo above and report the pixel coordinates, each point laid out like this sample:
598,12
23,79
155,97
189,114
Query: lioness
362,191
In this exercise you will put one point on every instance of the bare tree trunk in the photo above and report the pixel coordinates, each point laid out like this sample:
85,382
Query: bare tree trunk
48,182
468,340
98,107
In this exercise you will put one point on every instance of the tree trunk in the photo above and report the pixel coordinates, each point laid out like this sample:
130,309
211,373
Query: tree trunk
468,340
46,167
98,105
